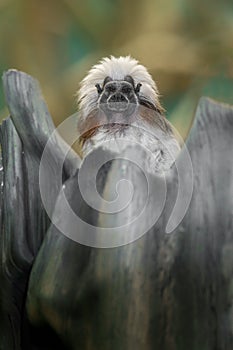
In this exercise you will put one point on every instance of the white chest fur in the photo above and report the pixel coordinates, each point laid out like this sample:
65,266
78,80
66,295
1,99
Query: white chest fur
161,148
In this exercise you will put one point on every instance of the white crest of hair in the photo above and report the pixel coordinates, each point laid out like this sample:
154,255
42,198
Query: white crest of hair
116,68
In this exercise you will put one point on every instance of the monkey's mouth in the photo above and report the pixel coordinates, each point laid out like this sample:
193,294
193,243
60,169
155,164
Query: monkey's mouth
118,103
121,110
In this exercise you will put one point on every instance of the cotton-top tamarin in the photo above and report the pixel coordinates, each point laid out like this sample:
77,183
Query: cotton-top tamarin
119,101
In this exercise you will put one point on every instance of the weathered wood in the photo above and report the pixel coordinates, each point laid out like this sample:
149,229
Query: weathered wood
23,220
162,291
16,246
32,120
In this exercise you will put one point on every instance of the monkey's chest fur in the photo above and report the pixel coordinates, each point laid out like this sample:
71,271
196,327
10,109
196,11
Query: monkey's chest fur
161,149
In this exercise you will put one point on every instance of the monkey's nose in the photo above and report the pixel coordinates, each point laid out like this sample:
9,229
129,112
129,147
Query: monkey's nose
117,97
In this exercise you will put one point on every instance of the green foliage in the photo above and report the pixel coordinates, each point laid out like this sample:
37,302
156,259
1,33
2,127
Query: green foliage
186,46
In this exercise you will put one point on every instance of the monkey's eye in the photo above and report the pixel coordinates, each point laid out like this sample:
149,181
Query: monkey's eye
111,88
126,90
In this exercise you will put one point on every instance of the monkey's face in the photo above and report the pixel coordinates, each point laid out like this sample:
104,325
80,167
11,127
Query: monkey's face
118,96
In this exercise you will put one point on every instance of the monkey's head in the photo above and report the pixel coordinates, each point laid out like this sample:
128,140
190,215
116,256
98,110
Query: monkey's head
116,87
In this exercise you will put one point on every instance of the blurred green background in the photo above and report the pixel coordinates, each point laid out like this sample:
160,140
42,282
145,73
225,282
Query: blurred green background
186,45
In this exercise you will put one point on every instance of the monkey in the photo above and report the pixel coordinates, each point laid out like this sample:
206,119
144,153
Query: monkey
118,101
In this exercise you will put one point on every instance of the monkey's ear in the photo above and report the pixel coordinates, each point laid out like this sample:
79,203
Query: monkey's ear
99,89
138,87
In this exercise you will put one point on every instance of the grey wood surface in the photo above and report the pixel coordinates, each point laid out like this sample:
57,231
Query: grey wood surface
162,291
23,220
169,292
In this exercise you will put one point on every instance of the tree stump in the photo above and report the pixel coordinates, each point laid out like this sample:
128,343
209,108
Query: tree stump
162,291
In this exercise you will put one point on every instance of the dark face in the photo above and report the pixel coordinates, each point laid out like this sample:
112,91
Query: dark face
118,96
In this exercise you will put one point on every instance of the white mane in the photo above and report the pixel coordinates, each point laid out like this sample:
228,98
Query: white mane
117,69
